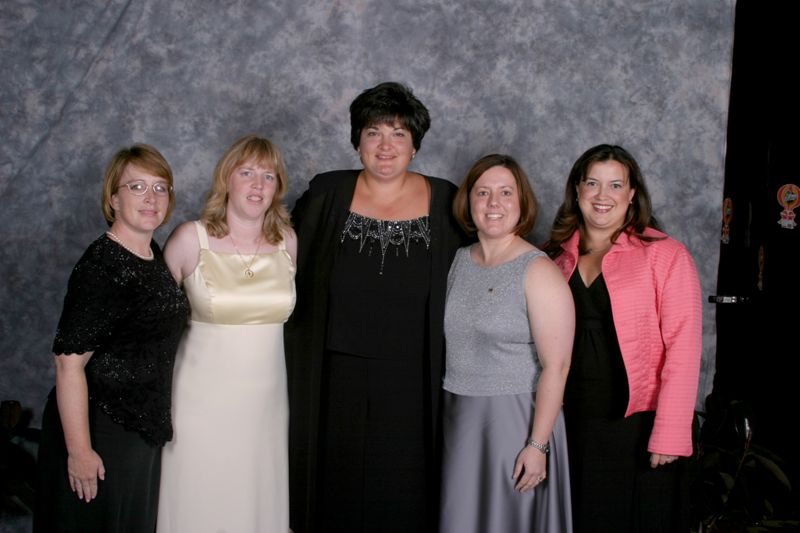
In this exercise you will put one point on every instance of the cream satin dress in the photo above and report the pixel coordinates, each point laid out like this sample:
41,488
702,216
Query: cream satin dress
226,468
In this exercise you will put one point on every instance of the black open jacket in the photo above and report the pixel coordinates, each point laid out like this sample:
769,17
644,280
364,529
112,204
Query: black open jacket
319,217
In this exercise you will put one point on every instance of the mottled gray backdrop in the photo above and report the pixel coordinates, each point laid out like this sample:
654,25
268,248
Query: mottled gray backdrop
540,79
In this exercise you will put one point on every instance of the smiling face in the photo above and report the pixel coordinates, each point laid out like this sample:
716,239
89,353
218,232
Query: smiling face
251,188
140,214
494,203
604,195
386,150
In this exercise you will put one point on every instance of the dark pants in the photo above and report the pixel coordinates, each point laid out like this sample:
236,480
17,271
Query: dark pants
373,457
127,501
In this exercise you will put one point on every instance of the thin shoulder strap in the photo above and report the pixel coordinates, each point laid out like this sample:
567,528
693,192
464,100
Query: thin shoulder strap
202,234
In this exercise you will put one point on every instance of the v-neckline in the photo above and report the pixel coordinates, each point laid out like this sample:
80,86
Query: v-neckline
583,281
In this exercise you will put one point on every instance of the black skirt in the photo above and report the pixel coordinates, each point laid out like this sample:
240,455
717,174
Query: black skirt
127,500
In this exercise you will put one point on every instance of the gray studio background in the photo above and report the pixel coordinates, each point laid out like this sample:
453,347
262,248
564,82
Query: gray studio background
542,80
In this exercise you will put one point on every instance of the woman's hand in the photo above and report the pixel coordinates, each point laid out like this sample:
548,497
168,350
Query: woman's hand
84,466
657,459
84,469
530,469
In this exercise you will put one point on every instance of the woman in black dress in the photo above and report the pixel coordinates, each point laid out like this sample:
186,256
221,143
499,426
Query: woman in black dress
630,395
109,414
364,345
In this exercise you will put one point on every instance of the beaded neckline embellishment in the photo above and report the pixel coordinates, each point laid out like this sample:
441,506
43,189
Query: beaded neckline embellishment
385,232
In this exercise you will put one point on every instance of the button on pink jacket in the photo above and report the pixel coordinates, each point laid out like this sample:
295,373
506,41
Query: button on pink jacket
656,303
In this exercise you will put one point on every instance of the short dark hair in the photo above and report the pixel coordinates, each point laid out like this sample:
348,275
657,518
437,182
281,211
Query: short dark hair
569,218
528,207
384,104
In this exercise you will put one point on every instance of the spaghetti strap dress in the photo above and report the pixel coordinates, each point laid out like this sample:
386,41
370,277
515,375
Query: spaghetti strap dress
226,468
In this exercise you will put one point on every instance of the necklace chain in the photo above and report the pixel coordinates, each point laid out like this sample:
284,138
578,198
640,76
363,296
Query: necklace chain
248,271
116,239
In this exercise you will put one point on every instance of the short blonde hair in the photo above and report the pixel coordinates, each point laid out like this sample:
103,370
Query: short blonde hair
258,150
144,157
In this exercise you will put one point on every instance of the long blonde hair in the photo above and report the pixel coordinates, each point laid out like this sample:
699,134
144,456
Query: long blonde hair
258,150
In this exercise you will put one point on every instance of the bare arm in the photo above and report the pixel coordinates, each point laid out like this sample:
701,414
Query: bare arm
84,466
552,317
182,251
290,238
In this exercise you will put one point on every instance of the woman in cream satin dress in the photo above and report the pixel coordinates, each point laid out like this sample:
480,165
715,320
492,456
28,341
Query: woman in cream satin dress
227,466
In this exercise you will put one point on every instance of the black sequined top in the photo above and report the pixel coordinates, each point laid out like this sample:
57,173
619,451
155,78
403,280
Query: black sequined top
130,313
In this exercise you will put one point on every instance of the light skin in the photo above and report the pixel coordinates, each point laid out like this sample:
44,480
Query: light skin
385,189
495,211
603,198
251,189
84,465
494,204
136,217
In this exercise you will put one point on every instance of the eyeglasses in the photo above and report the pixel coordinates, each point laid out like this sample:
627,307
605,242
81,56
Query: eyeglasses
140,188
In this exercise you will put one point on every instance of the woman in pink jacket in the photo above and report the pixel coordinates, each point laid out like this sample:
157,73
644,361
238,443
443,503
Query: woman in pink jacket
630,395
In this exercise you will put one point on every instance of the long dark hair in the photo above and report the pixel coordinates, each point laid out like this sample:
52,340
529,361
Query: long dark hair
569,219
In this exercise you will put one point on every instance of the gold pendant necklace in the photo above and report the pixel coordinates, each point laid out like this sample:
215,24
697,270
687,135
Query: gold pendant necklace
248,271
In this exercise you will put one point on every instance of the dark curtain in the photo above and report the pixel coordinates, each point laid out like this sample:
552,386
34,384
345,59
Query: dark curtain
758,332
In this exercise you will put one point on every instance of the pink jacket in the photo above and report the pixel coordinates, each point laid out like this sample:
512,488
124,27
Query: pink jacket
656,303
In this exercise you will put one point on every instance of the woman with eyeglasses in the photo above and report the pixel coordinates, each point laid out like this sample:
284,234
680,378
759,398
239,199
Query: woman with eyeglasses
109,414
227,468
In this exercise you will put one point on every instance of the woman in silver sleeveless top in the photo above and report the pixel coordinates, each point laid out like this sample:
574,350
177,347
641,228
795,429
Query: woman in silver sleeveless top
509,326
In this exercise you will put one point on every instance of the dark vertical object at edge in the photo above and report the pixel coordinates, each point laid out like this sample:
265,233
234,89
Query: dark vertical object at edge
758,341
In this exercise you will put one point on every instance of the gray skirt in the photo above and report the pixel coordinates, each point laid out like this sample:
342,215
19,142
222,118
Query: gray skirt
482,437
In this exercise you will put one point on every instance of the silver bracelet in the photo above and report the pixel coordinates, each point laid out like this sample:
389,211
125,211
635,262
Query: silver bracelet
544,448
